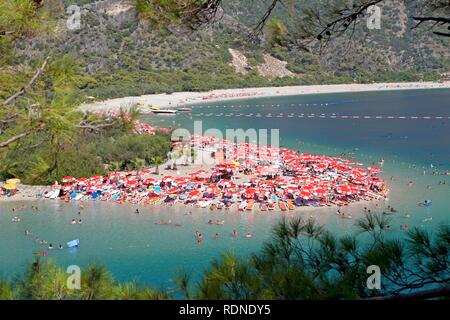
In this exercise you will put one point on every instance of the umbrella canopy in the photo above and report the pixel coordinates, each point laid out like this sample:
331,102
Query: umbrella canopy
9,186
194,194
68,179
320,192
249,192
13,181
82,181
173,190
95,178
144,171
149,181
374,169
131,184
225,182
67,187
305,194
320,166
346,190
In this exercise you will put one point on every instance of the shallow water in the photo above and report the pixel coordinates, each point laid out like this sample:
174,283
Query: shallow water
134,247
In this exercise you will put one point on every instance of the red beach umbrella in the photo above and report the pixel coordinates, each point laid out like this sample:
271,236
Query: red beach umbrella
305,194
149,181
131,184
320,166
67,187
225,182
346,190
374,170
173,190
68,179
198,173
249,192
82,181
194,194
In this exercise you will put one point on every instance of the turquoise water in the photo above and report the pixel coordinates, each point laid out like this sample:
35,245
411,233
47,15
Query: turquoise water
134,247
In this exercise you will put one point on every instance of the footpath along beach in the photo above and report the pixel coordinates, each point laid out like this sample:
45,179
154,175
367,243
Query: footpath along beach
178,99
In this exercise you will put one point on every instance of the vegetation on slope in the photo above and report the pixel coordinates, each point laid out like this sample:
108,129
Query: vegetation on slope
43,135
127,54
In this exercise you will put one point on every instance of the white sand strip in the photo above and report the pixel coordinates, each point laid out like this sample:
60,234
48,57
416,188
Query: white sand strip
178,99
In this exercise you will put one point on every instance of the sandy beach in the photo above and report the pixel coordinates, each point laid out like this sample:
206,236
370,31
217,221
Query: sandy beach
26,193
183,167
179,99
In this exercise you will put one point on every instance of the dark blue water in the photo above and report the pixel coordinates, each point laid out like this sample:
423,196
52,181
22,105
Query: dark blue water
418,140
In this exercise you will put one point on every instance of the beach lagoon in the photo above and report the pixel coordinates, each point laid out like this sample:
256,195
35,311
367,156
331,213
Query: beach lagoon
135,246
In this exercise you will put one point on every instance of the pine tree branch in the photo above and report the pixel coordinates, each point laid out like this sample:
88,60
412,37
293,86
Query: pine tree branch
95,127
27,86
14,139
426,294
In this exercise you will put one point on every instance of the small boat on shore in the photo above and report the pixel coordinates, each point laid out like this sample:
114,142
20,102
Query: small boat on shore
271,206
264,207
165,111
282,205
290,205
250,205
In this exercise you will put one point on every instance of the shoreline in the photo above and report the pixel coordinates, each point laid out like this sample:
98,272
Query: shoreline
179,99
351,208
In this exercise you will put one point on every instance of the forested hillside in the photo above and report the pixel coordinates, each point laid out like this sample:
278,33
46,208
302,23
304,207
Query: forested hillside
120,54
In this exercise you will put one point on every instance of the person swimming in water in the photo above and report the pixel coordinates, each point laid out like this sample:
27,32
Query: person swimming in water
74,221
234,233
216,236
50,246
248,235
137,211
60,246
80,221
